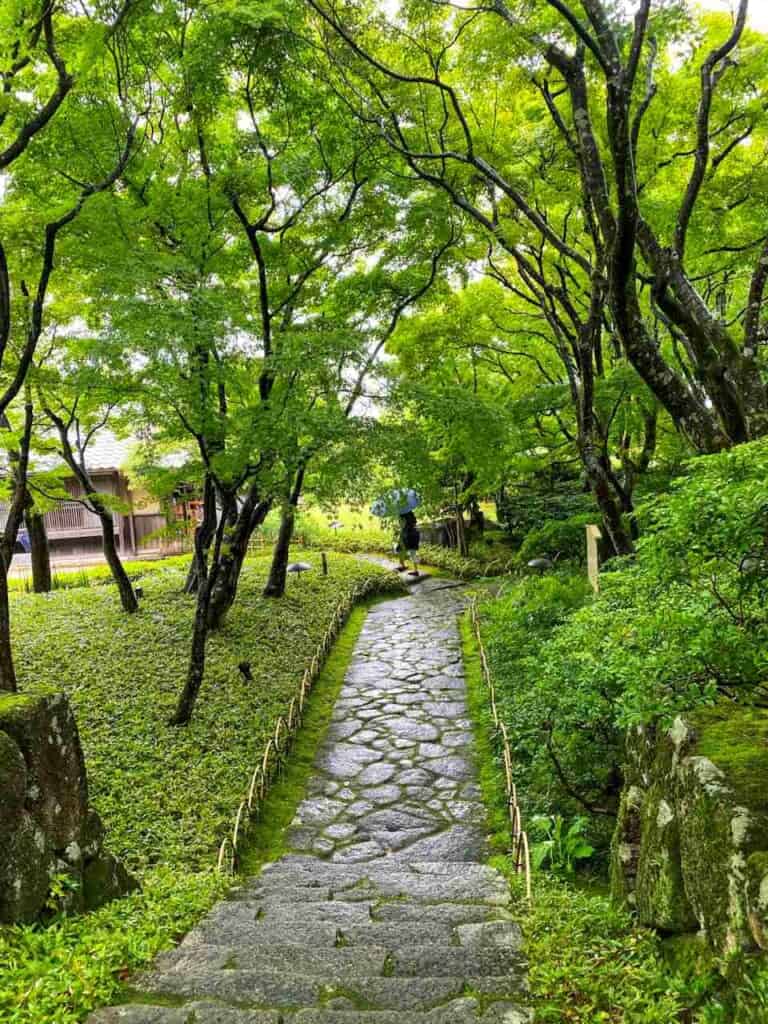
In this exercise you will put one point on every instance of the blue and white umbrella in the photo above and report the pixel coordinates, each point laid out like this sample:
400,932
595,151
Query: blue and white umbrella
396,503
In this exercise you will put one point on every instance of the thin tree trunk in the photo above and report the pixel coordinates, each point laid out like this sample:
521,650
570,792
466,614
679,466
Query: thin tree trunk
200,628
252,513
196,669
40,552
204,534
19,464
124,587
7,671
275,586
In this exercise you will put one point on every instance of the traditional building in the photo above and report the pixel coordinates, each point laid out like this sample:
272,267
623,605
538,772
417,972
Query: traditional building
75,532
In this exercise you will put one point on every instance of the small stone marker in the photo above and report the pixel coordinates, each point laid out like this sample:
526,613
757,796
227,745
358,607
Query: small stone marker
593,559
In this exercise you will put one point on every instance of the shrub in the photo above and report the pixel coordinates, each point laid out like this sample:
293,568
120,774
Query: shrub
683,624
562,539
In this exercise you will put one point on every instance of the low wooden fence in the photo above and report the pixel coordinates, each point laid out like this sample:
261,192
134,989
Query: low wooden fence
521,855
273,756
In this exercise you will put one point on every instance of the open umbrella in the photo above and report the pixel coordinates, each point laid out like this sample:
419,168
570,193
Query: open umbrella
396,503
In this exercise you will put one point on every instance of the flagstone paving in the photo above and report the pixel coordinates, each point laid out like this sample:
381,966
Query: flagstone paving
382,911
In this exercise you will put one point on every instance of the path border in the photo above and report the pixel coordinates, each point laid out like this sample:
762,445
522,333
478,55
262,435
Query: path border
521,855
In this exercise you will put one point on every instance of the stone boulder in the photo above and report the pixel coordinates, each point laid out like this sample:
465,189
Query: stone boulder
46,826
690,850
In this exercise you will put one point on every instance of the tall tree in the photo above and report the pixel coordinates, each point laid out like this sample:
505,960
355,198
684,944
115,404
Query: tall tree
597,88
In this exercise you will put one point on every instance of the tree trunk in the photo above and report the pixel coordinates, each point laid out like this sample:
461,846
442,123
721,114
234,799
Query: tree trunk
204,534
7,671
40,552
206,583
124,587
196,669
277,573
224,591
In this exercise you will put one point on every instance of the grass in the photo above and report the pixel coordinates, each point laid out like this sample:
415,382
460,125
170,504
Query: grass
95,575
166,795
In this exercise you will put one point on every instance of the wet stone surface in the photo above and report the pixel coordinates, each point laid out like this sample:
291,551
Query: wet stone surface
383,911
399,747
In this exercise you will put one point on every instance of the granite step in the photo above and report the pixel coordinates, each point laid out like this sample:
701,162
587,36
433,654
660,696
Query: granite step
349,961
459,1011
285,990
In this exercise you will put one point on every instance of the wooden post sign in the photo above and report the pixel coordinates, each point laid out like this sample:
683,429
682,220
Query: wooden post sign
593,558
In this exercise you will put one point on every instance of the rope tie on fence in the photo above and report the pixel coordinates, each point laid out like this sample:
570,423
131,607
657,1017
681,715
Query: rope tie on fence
521,856
286,727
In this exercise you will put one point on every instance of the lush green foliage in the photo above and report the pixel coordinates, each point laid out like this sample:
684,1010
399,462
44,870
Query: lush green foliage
588,960
562,539
64,970
557,844
96,575
170,801
679,626
686,621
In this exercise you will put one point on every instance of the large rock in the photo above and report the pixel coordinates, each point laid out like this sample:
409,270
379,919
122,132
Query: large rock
44,729
690,851
46,826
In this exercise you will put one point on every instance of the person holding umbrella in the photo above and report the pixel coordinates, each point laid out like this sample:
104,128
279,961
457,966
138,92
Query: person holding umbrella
408,541
401,503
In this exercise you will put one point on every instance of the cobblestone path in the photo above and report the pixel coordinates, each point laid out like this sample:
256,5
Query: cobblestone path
383,911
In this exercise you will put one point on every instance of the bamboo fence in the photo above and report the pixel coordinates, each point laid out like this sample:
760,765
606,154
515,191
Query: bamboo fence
521,855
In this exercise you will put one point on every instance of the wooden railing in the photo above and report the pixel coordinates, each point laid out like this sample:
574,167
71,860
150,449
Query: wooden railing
71,517
521,855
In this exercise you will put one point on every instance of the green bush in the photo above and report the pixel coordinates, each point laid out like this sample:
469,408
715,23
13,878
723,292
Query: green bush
559,539
685,623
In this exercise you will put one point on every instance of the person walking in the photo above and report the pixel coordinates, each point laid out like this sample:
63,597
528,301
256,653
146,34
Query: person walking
408,542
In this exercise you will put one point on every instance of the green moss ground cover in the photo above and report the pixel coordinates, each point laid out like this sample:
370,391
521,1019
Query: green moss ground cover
96,575
166,795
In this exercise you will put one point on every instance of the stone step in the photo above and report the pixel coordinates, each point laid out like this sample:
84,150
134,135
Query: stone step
457,1011
348,961
283,990
189,1013
242,925
312,867
438,889
386,872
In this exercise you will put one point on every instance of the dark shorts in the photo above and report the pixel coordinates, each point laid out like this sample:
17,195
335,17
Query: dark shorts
410,538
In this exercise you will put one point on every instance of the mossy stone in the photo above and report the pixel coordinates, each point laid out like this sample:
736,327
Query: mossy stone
625,845
43,727
757,897
660,897
13,785
24,873
104,879
736,741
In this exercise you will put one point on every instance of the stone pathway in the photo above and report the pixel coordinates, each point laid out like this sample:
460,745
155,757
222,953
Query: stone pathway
383,911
